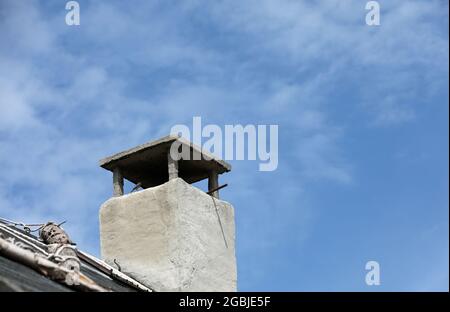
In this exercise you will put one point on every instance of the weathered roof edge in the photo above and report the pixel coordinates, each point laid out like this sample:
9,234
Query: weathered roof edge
48,268
109,270
40,247
170,138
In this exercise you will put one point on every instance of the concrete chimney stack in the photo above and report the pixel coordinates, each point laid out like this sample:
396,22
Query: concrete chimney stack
171,236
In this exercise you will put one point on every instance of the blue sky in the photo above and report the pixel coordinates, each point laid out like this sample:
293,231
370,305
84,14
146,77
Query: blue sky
362,114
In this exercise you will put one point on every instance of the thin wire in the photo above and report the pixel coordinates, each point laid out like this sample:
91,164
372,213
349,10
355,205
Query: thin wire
39,228
26,227
11,222
37,244
62,223
118,265
220,222
21,223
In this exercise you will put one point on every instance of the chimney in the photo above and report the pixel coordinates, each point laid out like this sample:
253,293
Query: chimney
171,236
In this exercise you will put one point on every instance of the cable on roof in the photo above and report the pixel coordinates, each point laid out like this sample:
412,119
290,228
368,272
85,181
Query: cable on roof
220,222
26,227
24,238
118,265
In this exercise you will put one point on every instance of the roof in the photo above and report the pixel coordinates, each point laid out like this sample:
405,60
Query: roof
17,274
147,163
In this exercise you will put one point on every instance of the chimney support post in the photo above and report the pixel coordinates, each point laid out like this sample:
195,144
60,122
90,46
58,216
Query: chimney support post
172,167
213,183
117,182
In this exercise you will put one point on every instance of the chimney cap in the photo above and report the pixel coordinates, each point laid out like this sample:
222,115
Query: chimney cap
147,163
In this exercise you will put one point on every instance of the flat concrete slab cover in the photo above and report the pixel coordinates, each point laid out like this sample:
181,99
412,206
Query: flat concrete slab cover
148,164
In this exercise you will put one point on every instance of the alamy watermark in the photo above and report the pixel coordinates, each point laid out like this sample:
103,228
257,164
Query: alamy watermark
373,16
73,16
373,274
236,142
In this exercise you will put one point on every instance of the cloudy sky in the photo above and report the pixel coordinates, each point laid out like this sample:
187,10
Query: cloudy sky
362,114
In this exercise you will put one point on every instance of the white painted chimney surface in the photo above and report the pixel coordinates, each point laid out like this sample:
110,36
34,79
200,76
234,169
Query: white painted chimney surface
171,237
